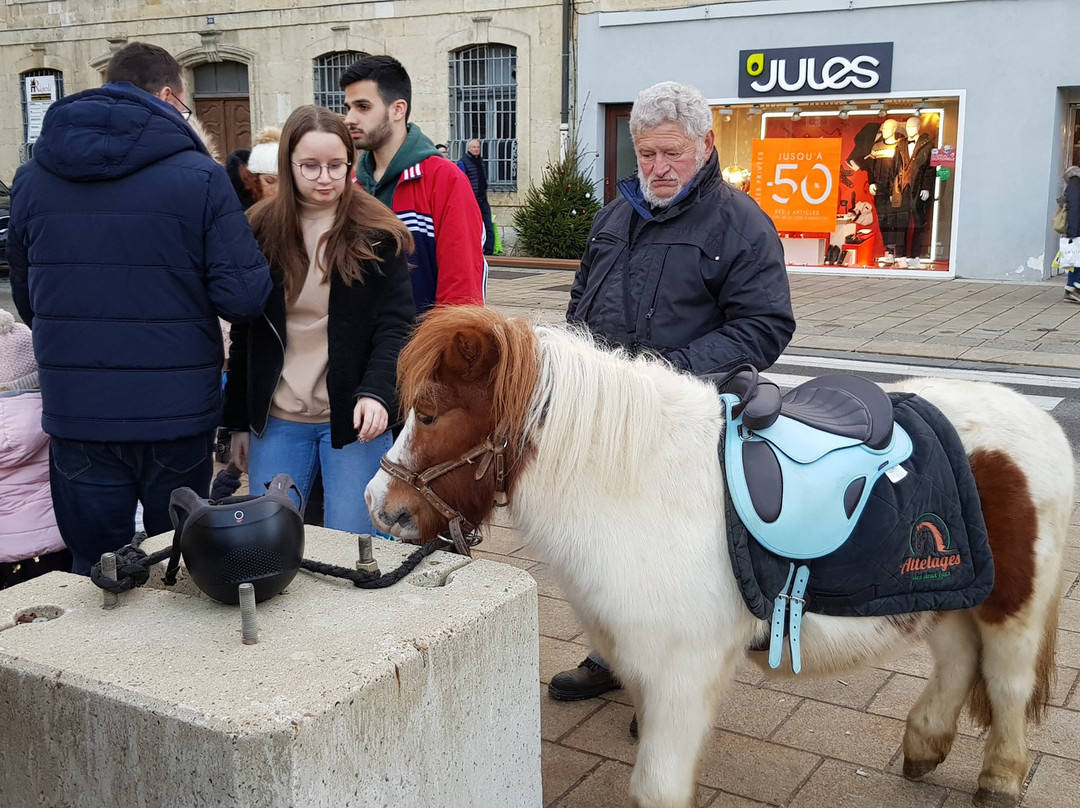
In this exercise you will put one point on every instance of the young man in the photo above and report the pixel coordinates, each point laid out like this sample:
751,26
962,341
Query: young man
126,244
705,286
402,168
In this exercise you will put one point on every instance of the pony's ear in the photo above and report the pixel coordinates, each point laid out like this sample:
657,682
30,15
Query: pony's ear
471,355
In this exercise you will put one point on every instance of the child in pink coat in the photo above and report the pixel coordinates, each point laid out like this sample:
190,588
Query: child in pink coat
30,543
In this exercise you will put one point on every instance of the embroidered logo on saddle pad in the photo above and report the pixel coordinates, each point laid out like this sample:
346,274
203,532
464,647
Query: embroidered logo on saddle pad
931,554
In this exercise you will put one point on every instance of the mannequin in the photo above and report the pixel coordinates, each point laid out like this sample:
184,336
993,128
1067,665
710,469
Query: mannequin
920,184
882,170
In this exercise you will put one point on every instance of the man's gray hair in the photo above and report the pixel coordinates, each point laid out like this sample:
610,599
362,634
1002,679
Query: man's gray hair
672,102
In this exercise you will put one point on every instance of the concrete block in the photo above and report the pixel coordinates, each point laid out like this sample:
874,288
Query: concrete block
420,694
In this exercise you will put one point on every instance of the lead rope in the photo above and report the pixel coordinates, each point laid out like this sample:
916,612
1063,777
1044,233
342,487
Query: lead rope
133,568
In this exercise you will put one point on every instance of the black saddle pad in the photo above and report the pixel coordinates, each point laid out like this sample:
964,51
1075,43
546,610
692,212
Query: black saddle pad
920,544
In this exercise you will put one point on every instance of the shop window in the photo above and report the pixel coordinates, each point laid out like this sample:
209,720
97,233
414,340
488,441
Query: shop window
483,105
39,88
862,184
328,69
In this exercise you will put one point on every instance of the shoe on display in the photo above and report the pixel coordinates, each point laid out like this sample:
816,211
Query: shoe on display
1071,296
901,263
914,263
586,681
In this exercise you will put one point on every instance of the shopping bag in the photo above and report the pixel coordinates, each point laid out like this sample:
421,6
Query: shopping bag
1070,252
1061,219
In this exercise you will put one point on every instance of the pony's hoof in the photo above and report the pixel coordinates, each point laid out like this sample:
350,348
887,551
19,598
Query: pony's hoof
918,769
985,798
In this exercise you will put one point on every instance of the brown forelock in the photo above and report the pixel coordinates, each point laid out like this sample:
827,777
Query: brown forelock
478,346
1013,528
476,371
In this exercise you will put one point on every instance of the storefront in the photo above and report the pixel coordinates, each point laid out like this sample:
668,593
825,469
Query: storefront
926,155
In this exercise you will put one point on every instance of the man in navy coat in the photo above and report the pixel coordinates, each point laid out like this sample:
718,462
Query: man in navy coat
126,244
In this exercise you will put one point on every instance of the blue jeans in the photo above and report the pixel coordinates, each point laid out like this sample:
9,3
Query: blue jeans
97,486
1073,279
298,449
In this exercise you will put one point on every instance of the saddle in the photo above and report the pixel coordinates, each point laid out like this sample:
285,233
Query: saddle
800,468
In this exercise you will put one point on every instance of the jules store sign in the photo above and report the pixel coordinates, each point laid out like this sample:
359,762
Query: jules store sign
811,71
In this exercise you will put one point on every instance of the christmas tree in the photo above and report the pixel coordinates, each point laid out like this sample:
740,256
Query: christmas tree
557,215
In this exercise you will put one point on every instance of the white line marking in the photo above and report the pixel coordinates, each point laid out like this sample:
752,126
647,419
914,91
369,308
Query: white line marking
1034,379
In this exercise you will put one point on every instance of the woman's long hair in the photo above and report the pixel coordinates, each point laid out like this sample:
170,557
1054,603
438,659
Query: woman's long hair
360,222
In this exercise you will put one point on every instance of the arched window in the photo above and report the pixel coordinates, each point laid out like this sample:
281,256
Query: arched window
39,89
328,70
483,105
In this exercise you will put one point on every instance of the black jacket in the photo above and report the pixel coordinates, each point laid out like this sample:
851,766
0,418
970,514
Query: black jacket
1072,203
701,282
367,325
126,244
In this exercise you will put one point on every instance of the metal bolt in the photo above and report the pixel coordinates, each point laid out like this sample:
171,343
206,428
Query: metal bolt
366,562
108,571
249,626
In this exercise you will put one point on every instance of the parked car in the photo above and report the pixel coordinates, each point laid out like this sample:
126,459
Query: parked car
5,210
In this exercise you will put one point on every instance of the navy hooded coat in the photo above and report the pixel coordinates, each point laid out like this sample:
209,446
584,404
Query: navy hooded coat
126,243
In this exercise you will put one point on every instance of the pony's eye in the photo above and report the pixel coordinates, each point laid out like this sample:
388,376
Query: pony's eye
425,419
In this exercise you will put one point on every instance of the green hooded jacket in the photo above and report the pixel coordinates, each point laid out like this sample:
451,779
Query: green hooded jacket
417,147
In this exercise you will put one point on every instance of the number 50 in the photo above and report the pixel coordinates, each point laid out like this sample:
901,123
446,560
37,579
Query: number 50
796,187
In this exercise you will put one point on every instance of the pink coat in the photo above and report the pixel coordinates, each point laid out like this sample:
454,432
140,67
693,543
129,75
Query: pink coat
27,524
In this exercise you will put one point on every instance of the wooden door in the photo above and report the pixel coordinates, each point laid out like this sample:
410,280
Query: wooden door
227,120
619,160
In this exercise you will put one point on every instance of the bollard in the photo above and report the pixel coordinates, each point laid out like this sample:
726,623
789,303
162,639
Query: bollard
249,626
108,570
366,562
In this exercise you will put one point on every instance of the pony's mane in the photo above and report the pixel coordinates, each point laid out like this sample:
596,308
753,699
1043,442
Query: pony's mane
513,378
600,412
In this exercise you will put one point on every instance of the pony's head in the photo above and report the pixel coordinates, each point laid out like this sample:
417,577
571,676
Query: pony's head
466,379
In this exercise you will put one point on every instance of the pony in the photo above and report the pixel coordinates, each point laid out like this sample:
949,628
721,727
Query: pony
607,460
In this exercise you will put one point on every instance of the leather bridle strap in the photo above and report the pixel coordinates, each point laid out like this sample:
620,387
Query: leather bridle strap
491,449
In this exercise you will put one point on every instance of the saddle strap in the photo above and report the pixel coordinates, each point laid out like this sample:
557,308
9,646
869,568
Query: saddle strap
776,633
798,603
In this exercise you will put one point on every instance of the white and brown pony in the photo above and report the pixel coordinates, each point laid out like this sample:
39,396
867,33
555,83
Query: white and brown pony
610,461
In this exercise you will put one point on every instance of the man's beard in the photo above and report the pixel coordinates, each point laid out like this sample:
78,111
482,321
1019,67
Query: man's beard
662,202
372,139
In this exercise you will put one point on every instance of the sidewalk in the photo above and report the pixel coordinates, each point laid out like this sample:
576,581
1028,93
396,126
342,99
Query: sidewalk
828,743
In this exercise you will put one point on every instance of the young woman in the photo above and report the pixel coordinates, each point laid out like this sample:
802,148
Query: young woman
311,383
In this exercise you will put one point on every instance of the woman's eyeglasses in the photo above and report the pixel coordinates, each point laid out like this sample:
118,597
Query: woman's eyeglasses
312,171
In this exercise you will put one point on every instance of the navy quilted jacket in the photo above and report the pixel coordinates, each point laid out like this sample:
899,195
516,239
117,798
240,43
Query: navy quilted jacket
126,243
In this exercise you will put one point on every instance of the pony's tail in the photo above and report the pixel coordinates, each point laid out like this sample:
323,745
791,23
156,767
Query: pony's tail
979,705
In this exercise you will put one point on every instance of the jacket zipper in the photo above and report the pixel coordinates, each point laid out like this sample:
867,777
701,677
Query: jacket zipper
281,344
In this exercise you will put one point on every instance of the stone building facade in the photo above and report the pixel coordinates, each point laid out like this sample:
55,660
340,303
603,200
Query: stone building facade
490,70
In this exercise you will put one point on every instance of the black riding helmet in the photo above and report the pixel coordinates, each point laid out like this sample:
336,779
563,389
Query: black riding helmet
250,539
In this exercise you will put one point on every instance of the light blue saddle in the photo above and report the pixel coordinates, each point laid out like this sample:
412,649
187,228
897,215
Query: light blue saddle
800,469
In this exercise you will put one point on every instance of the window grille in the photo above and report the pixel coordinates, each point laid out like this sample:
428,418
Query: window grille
328,70
26,151
483,105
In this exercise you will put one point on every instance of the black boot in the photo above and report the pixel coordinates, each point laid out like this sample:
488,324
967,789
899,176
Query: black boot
587,680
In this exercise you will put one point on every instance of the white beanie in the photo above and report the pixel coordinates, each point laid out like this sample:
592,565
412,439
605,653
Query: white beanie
18,368
263,158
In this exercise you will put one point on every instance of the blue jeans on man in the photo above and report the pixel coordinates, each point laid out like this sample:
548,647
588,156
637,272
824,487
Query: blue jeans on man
96,488
299,450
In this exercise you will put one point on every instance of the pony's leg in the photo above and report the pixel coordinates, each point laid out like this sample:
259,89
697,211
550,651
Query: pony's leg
674,719
1014,653
931,724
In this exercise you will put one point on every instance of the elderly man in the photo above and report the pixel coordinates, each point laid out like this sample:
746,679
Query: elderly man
684,267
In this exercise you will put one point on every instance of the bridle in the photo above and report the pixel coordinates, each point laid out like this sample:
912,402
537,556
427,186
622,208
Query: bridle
493,449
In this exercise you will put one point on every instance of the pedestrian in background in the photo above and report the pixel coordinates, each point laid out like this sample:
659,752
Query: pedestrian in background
262,164
473,166
1072,231
704,288
431,196
30,543
441,149
126,243
311,384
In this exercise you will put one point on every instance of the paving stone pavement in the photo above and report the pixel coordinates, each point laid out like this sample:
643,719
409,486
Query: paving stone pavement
832,743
